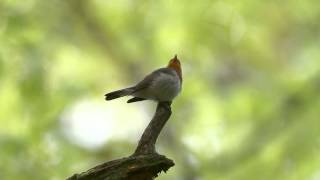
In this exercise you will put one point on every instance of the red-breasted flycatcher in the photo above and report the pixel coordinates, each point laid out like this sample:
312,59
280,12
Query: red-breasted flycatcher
161,85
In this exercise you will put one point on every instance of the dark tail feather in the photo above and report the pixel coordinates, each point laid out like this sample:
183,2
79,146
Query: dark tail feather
117,94
135,99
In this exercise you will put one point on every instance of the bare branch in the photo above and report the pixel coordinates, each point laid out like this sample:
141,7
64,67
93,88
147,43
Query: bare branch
144,164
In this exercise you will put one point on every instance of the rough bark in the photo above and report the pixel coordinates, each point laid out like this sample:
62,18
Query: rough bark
144,163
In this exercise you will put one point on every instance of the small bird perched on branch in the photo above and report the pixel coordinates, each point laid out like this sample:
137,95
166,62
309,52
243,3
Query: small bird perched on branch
161,85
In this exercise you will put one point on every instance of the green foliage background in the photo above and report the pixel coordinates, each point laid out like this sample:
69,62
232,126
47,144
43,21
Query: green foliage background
249,108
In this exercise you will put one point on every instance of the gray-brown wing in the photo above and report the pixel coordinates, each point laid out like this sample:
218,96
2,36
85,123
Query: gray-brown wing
150,78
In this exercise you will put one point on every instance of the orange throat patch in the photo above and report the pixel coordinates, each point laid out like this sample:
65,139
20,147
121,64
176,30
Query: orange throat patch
177,68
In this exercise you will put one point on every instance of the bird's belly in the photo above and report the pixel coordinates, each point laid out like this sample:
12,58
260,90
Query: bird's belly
162,89
166,91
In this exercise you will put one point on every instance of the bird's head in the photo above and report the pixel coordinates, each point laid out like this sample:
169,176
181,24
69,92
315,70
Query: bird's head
175,64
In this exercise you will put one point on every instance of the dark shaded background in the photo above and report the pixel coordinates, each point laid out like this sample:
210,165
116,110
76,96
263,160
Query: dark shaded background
249,108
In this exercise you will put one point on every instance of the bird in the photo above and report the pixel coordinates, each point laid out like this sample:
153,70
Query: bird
161,85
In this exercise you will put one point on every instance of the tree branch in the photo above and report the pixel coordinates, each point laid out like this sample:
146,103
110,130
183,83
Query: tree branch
144,163
149,137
